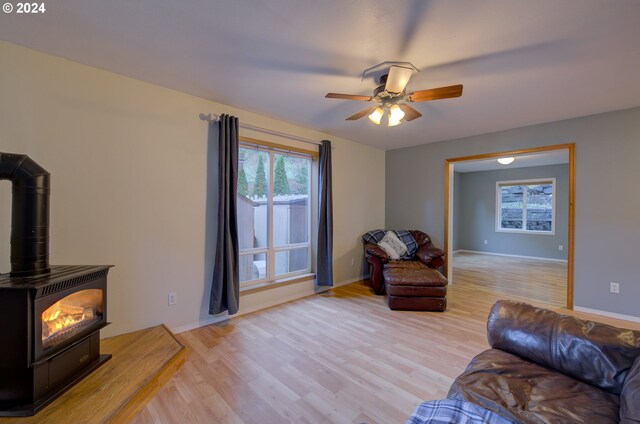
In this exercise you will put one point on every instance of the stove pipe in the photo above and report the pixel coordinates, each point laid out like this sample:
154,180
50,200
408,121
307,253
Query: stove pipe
29,214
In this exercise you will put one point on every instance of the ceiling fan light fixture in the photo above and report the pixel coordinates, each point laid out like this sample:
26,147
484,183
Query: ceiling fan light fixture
376,116
393,122
391,96
396,113
506,161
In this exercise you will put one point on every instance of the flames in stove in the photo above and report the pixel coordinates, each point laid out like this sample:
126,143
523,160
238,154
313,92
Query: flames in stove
70,314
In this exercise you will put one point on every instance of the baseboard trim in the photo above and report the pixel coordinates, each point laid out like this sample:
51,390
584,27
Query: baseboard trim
351,280
225,316
606,314
323,289
512,256
213,320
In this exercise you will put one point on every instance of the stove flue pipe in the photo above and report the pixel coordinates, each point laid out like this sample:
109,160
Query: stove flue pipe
29,214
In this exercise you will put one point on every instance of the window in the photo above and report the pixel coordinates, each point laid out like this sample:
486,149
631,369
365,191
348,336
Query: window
274,214
526,206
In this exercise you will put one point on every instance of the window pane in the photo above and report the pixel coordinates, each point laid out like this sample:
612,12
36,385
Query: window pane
290,200
511,207
253,267
253,189
292,260
539,207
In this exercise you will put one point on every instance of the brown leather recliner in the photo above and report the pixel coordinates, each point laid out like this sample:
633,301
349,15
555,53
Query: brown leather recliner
550,368
427,255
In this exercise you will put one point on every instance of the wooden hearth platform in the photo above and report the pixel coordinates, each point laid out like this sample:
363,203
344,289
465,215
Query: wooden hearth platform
143,361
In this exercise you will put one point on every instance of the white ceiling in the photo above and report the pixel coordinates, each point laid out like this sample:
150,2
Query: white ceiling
553,157
521,62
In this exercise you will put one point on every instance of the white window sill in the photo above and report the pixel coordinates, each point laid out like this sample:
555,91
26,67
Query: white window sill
268,285
546,233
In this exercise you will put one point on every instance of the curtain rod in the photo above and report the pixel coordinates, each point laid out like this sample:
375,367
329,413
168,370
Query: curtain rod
215,118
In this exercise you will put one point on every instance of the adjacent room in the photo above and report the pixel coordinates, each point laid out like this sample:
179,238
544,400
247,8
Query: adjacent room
510,224
374,211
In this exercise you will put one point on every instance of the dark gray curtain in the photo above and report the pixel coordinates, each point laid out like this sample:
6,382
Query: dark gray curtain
225,289
324,265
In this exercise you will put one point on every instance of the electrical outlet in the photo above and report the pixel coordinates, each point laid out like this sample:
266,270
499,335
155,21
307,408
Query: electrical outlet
485,242
353,262
560,247
614,287
173,299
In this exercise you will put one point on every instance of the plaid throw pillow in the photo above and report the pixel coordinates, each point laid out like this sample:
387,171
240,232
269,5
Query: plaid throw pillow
408,240
376,236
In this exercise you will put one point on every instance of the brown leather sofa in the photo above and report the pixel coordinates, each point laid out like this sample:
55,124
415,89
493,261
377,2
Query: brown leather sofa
427,256
550,368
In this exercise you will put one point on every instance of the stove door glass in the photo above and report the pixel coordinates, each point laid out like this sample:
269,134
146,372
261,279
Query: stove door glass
70,315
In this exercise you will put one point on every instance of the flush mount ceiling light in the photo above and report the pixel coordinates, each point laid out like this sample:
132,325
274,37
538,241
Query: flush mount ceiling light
392,96
506,161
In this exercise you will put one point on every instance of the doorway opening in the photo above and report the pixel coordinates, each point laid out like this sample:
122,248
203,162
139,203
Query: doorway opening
506,217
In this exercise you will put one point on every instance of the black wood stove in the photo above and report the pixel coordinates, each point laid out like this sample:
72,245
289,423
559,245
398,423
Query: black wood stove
50,316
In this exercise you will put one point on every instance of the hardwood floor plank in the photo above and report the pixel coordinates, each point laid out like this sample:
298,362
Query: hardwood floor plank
342,356
332,408
543,281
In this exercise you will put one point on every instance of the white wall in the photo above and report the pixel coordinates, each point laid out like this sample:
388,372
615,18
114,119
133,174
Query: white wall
131,173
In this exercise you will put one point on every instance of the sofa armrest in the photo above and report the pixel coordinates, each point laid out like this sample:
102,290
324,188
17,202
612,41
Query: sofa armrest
630,397
428,253
564,343
376,278
375,250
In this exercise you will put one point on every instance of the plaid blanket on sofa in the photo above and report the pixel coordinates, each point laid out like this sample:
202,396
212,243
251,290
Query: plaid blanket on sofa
405,236
449,411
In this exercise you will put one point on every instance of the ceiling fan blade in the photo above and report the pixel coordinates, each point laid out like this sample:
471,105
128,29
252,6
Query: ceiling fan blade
436,93
347,97
398,79
362,113
410,113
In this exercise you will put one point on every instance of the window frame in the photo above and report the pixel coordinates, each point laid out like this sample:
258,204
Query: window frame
270,250
527,182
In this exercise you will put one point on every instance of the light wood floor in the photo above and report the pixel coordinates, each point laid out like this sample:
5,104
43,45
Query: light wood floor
337,357
544,281
142,362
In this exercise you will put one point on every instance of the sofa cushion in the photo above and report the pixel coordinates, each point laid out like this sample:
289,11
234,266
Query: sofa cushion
392,245
526,392
630,398
592,352
375,236
425,277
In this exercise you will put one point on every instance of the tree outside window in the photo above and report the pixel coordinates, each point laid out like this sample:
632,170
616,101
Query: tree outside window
274,232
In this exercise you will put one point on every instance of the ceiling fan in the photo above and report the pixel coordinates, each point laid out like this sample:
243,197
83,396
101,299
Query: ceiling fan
391,96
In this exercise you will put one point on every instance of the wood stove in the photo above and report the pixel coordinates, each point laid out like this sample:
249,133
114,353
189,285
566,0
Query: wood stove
50,316
50,334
